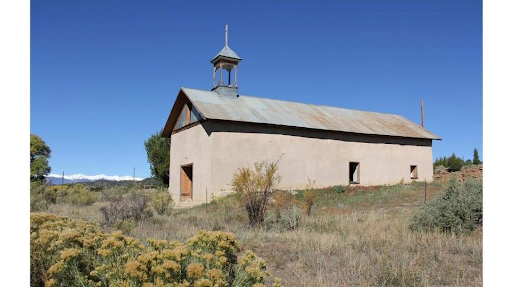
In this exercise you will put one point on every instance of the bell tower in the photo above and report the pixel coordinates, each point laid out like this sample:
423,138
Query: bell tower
226,62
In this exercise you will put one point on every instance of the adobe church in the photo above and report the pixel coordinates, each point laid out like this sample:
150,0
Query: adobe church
213,133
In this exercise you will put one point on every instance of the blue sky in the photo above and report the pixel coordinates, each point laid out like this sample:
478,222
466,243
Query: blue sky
104,74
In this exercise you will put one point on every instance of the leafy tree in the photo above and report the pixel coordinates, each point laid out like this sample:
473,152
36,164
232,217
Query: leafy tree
455,163
157,149
441,161
39,155
476,157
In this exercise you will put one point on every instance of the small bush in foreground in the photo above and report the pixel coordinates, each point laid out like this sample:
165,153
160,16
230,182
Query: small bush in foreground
310,196
458,209
290,218
281,200
339,188
255,188
66,252
79,195
123,211
41,196
161,201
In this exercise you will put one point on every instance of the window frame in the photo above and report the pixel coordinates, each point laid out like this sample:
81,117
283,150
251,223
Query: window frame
357,171
413,171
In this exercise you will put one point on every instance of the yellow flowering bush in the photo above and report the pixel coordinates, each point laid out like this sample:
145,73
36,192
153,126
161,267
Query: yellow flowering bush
66,252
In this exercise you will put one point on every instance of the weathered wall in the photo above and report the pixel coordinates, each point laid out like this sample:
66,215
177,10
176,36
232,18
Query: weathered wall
218,148
190,146
322,156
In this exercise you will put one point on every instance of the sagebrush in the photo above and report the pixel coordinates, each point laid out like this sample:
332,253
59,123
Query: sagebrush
458,209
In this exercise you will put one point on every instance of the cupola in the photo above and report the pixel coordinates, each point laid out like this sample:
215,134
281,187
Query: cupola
225,71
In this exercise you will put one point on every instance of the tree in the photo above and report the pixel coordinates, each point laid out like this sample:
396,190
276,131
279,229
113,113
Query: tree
455,163
157,149
476,157
39,155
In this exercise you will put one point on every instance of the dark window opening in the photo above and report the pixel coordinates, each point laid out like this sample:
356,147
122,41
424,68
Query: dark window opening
186,182
189,115
414,172
353,176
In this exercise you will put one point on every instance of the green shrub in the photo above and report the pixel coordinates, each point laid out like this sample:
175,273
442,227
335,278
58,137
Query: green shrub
122,211
109,193
439,168
281,200
41,196
79,195
458,209
455,163
66,252
290,218
161,201
339,188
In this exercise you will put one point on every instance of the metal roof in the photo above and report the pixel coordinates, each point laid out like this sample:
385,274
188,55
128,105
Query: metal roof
276,112
227,52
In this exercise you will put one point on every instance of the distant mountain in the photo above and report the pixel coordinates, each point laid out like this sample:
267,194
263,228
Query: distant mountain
55,179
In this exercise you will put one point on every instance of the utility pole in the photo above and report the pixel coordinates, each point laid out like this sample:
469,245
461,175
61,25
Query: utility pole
422,115
133,175
62,183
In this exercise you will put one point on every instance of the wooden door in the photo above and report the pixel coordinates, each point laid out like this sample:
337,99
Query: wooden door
186,182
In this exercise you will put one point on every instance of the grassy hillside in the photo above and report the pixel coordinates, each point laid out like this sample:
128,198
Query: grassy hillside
357,237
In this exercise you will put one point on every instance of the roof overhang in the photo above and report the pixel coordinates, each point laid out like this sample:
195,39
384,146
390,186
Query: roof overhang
180,101
211,106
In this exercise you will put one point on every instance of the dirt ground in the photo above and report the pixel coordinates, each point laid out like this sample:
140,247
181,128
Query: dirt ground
473,171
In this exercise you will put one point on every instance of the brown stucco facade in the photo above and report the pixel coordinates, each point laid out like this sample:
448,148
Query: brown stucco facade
216,149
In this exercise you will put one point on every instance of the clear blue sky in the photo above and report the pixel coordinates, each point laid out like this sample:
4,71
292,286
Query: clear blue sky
104,74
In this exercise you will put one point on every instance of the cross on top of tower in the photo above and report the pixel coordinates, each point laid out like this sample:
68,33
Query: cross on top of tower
226,51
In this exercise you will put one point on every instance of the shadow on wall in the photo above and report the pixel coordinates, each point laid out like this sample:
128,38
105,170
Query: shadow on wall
211,126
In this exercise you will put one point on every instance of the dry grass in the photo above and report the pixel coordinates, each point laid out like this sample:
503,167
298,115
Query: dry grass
353,238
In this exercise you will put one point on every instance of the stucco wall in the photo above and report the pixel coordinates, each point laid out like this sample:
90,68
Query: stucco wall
218,148
190,146
322,156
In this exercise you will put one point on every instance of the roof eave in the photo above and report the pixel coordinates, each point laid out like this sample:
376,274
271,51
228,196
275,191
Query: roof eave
181,99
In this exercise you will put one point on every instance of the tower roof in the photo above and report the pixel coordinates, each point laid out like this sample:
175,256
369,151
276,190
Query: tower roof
227,53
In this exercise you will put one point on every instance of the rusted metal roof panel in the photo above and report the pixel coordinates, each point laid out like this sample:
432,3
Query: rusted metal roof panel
283,113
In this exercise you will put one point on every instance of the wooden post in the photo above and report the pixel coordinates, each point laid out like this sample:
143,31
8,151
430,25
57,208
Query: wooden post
425,190
221,83
214,70
422,115
236,76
